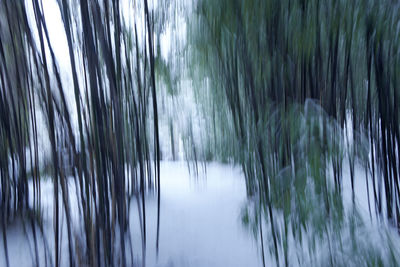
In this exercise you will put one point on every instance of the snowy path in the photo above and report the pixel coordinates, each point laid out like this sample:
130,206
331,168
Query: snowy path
200,219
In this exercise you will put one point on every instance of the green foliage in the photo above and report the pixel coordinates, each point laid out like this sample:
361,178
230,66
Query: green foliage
307,84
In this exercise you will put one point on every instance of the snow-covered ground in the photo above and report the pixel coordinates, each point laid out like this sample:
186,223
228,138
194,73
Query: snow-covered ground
200,219
200,222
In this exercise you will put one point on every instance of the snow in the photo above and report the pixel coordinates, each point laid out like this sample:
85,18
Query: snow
201,225
200,222
200,219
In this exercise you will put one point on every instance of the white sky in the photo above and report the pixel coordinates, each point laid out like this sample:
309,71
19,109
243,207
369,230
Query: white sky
60,45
